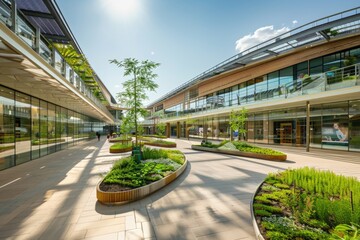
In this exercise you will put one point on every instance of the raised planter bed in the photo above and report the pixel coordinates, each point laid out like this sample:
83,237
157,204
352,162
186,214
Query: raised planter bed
120,150
110,198
160,144
242,154
120,140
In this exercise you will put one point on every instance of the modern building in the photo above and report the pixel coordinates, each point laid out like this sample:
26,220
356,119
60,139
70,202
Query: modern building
301,88
50,97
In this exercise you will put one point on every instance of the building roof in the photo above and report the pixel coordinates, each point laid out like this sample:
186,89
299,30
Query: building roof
46,15
324,29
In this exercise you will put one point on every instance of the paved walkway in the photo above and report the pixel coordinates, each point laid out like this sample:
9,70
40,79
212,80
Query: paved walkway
54,197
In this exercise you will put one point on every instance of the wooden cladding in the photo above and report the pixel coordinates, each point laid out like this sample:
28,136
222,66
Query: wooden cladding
276,63
179,98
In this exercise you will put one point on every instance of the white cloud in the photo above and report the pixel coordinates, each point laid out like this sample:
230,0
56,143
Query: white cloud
152,53
117,86
260,35
295,22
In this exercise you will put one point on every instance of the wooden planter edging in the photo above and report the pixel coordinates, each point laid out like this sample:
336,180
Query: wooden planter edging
253,219
120,150
242,154
110,198
160,145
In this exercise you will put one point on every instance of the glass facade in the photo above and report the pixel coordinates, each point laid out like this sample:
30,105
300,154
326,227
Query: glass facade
330,72
31,128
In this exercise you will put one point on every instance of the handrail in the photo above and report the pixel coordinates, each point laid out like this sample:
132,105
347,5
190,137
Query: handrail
348,76
193,81
29,38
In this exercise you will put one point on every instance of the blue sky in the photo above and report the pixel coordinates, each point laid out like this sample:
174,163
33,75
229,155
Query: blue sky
186,37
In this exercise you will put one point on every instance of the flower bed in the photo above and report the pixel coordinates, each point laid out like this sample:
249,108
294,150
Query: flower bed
241,149
128,181
307,204
120,147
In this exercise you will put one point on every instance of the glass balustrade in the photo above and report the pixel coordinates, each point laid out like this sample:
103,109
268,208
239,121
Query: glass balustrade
328,81
5,16
45,52
26,32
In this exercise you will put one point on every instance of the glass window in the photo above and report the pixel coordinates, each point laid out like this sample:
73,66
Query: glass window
242,97
335,127
43,128
35,130
22,128
354,122
7,128
301,70
261,88
273,84
250,90
51,128
332,62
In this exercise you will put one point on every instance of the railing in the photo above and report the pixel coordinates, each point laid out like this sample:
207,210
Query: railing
328,19
28,34
331,80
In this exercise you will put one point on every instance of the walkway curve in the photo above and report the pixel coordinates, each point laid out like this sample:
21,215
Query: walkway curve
54,197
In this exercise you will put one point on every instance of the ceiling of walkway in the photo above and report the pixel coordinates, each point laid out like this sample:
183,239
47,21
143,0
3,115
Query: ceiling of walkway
21,74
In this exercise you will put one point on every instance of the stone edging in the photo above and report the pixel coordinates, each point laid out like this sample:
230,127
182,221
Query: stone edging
242,154
160,145
120,150
110,198
253,219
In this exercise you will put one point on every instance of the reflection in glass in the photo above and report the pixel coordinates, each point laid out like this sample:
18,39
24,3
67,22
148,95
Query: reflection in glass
43,128
354,122
35,128
7,141
22,128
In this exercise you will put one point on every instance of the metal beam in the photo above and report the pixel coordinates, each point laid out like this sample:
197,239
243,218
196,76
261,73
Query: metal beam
324,35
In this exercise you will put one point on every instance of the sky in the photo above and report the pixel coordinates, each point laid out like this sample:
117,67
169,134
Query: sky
186,37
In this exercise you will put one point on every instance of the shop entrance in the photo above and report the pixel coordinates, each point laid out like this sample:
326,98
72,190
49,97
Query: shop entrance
286,133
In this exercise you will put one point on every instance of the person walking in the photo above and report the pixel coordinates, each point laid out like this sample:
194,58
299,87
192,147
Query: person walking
98,135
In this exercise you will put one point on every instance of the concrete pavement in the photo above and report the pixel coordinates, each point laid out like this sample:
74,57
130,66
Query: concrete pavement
54,197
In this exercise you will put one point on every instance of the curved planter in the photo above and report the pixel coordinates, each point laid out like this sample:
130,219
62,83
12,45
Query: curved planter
119,140
160,145
242,154
253,219
137,193
120,150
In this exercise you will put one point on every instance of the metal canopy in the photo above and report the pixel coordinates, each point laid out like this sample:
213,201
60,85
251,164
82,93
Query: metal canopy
324,29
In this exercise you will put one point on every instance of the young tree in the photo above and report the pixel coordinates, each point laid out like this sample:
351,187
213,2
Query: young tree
238,121
126,126
135,89
160,127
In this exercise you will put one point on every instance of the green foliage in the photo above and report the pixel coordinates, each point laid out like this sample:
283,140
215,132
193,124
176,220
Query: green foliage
271,209
346,232
286,228
136,88
262,213
245,147
153,153
133,175
317,202
237,121
119,146
161,127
